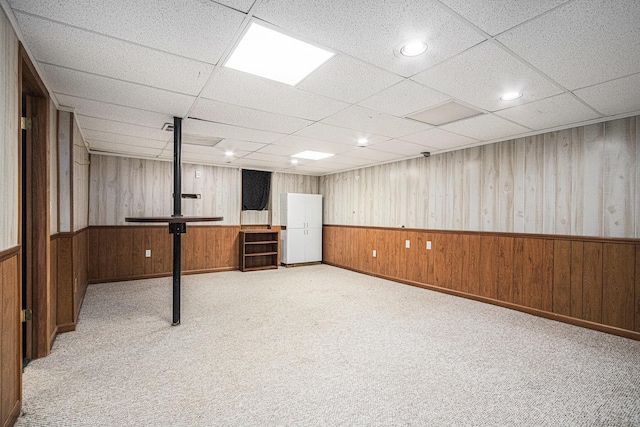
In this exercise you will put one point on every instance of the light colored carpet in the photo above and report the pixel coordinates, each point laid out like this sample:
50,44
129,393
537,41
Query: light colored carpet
322,346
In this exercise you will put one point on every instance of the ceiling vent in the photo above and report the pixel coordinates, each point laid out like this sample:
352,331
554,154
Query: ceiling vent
168,127
206,141
448,112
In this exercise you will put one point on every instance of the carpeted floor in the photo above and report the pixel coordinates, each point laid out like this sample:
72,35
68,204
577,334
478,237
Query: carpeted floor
322,346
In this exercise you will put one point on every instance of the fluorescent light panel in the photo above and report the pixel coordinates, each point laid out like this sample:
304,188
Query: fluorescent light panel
275,56
312,155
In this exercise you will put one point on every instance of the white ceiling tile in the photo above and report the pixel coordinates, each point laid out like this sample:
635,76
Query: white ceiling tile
366,120
485,127
231,114
108,137
92,123
481,75
111,147
583,43
448,112
274,159
103,110
324,165
373,31
241,5
497,16
350,161
235,87
217,152
614,97
257,164
195,29
438,139
310,169
70,47
371,155
281,150
338,135
404,98
239,146
166,155
220,130
198,158
399,146
348,79
300,143
555,111
91,86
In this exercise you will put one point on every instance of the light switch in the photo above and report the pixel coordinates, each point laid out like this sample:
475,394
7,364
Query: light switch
429,245
147,253
407,244
374,253
198,174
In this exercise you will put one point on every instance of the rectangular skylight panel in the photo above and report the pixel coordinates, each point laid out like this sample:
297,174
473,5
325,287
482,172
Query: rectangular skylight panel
312,155
267,53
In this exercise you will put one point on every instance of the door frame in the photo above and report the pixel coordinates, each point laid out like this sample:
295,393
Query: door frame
39,252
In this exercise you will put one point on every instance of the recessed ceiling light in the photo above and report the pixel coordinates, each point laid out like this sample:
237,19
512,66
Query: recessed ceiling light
413,48
312,155
510,96
362,142
294,161
276,56
228,153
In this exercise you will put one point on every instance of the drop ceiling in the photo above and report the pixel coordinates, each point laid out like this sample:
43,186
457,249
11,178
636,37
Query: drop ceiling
127,68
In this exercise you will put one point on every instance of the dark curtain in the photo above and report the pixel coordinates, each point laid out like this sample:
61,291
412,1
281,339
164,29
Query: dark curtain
256,186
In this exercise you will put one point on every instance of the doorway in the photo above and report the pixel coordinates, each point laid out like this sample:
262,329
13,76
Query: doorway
34,212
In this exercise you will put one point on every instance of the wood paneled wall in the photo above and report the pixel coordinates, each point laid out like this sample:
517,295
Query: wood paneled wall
80,179
592,282
290,183
10,344
281,183
69,278
53,168
118,252
9,158
65,172
580,182
255,217
122,187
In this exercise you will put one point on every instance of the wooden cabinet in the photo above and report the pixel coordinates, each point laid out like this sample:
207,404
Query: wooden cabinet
301,214
258,249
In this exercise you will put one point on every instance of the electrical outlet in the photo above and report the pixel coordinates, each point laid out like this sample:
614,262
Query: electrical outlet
374,253
407,244
429,245
147,253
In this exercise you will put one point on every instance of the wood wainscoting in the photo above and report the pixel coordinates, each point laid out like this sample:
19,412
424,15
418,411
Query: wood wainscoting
585,281
10,344
118,252
69,278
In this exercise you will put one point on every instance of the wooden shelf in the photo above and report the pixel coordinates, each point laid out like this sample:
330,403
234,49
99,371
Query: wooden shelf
264,267
259,249
262,253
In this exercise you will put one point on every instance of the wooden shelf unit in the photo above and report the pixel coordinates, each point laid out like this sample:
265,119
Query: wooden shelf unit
259,249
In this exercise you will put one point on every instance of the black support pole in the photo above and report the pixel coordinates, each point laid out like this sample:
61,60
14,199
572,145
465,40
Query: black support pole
178,228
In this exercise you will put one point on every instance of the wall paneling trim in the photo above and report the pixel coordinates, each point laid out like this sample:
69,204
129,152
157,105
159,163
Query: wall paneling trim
118,252
579,182
590,282
10,344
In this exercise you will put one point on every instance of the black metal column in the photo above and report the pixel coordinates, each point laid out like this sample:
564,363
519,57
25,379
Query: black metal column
177,228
